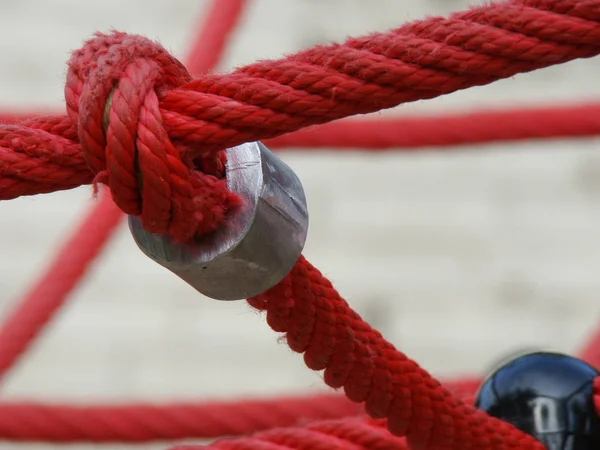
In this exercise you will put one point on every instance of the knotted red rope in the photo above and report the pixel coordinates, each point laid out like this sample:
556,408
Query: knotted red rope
42,301
180,126
112,93
159,153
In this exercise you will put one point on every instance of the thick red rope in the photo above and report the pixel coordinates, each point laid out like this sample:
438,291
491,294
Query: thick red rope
447,130
320,324
349,434
265,100
346,434
22,325
177,125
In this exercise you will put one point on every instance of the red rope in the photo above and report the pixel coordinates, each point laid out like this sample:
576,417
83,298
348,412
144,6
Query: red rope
596,390
591,350
319,323
161,127
137,423
444,130
7,117
477,127
21,327
27,421
172,117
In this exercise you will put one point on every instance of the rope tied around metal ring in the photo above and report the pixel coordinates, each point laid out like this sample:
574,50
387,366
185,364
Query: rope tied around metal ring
112,92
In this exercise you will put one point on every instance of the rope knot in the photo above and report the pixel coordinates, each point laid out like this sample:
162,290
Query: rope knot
113,87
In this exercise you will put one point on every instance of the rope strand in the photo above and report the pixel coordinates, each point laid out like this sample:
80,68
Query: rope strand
138,423
195,120
317,322
21,327
577,120
448,130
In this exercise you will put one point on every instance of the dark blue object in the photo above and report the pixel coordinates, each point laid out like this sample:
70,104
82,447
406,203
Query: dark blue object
548,396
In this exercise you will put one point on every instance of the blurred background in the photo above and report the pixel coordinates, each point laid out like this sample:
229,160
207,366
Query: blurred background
459,256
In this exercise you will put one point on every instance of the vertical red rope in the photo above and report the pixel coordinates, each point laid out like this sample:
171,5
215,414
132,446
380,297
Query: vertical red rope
147,422
50,292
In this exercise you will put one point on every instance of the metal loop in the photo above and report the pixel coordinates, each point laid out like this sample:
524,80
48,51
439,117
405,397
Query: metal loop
259,243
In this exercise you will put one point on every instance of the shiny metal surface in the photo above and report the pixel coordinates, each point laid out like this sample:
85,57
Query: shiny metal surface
261,240
549,396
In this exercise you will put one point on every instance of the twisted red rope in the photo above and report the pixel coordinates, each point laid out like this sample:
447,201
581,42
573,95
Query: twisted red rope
448,130
28,421
267,99
22,325
443,130
320,324
178,125
346,434
137,423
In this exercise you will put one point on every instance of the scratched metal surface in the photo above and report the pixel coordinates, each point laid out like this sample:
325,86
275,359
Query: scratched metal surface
458,257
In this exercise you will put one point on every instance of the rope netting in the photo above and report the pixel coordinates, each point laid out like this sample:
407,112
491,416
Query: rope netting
134,113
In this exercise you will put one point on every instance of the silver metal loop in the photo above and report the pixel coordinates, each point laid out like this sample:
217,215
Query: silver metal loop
259,243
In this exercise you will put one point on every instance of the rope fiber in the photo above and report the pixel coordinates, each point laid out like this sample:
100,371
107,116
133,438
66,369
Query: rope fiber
409,133
138,122
179,126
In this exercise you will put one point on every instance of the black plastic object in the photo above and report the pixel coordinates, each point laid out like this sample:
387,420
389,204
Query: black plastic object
548,396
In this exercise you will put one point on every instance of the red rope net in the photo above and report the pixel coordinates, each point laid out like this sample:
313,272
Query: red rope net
126,94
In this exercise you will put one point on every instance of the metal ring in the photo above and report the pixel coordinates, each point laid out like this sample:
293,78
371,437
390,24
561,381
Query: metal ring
260,241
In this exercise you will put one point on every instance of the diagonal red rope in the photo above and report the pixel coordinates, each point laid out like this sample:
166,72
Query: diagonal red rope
348,434
48,294
317,322
214,35
591,350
